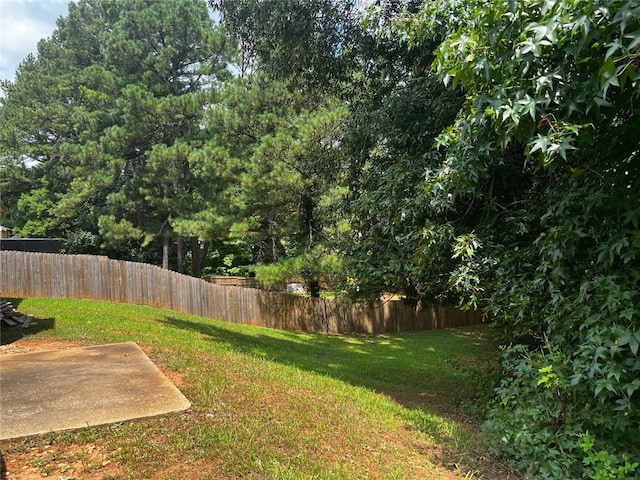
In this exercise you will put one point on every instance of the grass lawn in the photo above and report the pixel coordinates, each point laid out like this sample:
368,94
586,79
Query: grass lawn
268,404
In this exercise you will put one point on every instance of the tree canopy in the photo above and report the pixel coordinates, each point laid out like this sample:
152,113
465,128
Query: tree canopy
106,115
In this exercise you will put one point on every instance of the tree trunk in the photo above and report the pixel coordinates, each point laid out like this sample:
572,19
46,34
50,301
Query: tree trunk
165,249
198,255
180,253
308,220
308,227
314,288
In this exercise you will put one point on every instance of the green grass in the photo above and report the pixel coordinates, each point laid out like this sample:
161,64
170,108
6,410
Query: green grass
273,404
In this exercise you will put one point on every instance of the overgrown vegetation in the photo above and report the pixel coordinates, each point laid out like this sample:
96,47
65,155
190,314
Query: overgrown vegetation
483,153
544,156
274,404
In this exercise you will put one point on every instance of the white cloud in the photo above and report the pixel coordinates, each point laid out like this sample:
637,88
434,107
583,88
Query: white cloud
22,24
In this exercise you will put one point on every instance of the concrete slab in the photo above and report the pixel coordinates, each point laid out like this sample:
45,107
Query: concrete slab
41,392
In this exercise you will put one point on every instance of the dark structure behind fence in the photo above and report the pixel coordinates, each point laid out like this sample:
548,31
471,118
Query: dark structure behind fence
43,245
24,274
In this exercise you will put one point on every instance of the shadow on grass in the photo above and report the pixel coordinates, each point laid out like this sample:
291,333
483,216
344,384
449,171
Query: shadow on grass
12,334
433,374
14,301
416,368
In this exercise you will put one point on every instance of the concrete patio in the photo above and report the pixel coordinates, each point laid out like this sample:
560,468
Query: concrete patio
42,392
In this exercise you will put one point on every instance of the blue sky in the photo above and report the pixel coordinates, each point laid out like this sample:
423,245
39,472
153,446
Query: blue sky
22,24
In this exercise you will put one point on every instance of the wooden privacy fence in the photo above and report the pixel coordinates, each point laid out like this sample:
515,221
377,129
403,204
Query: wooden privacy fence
24,274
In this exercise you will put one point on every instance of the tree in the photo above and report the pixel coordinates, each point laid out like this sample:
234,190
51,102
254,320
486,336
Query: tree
397,242
307,43
544,153
308,50
107,111
279,144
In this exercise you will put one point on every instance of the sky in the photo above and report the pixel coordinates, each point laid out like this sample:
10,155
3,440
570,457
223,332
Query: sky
22,24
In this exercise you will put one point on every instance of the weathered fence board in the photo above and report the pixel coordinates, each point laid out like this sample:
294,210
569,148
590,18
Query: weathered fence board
26,274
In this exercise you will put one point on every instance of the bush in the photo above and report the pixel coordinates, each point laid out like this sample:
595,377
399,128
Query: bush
541,420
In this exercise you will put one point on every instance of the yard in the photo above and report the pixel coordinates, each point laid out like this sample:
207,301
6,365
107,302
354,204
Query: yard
269,404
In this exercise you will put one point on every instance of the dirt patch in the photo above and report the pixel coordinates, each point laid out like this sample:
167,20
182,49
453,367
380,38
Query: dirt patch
28,345
176,378
30,461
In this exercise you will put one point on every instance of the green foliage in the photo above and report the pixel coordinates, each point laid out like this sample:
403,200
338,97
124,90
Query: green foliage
537,419
309,43
540,73
141,137
81,241
312,265
107,116
602,465
541,417
397,242
229,257
540,169
277,150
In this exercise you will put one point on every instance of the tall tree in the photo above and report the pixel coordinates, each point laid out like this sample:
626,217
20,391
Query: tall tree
113,90
396,242
308,50
280,144
398,107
